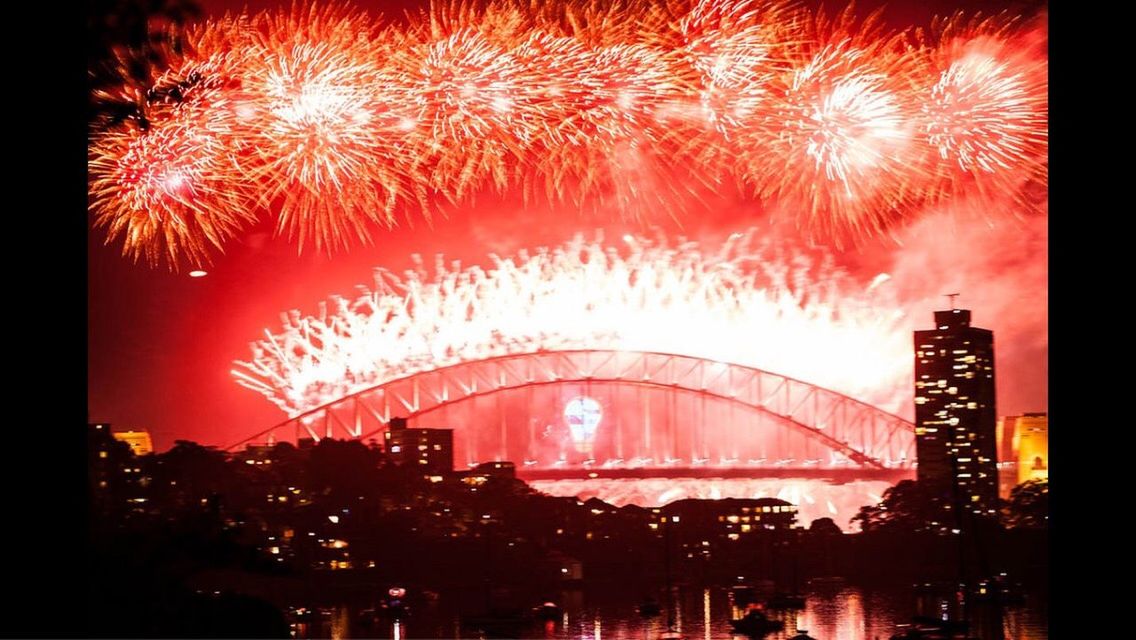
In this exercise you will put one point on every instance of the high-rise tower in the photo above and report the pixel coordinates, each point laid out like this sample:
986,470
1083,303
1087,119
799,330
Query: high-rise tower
954,413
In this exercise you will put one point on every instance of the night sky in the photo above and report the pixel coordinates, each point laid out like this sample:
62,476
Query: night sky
161,345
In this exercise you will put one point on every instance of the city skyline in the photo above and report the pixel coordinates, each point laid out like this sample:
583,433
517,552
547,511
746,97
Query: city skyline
567,319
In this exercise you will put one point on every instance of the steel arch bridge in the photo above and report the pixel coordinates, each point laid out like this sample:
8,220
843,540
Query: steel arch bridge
866,435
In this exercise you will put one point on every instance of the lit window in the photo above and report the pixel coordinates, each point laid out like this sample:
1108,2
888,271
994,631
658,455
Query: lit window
396,449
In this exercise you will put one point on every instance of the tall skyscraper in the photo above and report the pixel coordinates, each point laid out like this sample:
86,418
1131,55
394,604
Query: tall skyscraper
954,413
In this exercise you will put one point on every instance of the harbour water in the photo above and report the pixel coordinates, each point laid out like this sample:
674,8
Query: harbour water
832,612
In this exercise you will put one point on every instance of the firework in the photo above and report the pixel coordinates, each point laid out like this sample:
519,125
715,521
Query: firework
330,130
335,125
474,118
986,113
842,150
735,49
169,180
748,303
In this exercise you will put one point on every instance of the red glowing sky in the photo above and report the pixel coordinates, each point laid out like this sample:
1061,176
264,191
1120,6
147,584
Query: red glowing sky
161,345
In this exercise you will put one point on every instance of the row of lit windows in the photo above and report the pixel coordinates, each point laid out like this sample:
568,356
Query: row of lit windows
735,519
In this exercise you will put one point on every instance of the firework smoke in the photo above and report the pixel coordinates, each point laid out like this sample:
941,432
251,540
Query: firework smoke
748,302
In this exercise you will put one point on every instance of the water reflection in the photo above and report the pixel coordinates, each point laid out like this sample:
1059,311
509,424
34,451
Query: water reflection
830,613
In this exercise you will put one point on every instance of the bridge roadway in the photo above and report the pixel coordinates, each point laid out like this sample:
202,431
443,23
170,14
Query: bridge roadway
834,474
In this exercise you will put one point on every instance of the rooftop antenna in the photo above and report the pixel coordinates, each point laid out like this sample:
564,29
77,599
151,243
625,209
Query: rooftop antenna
952,296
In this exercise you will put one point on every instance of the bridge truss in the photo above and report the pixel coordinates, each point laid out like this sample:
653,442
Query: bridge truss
862,434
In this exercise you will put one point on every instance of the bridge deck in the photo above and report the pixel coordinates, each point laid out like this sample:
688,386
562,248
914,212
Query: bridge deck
835,474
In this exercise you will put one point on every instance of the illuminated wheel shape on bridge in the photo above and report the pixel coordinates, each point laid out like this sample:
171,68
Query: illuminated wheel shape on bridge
583,415
854,431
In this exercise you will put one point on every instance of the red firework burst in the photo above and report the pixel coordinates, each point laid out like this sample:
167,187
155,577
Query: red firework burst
842,155
170,181
470,110
731,52
330,136
333,123
985,115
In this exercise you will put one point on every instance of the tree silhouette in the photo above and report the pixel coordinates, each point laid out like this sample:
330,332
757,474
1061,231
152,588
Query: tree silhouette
824,527
904,507
127,41
1028,507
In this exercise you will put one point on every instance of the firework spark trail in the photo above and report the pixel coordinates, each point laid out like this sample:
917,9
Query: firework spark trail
333,123
173,185
985,114
748,303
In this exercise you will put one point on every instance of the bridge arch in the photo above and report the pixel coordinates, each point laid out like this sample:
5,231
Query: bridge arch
864,434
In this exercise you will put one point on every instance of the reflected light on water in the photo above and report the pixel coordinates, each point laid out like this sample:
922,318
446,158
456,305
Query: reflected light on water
706,613
831,613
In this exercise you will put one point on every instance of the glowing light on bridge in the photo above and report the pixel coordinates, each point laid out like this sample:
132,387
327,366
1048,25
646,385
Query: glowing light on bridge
583,415
747,302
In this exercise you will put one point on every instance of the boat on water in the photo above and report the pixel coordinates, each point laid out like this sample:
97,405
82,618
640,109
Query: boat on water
931,631
756,624
394,605
549,611
650,608
998,589
747,613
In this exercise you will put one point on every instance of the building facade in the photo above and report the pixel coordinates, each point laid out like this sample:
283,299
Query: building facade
730,518
955,416
139,441
430,450
1032,439
1023,450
